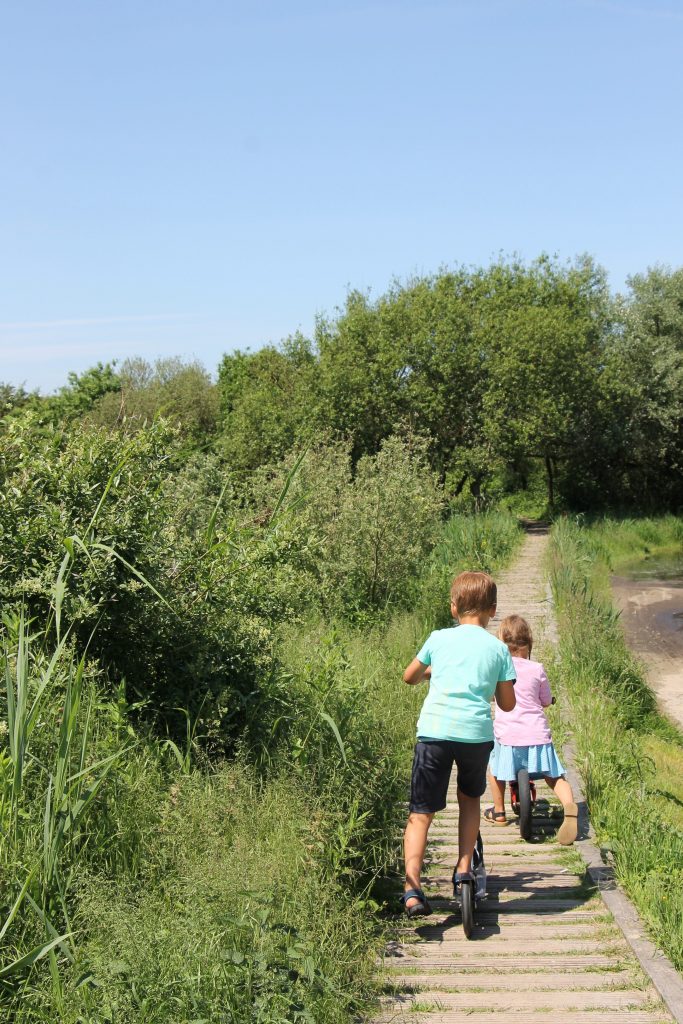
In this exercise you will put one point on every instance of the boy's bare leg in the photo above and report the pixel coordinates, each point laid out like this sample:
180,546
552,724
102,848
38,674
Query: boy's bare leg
468,829
414,846
497,788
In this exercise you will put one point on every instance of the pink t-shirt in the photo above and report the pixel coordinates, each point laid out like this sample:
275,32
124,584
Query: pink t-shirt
526,725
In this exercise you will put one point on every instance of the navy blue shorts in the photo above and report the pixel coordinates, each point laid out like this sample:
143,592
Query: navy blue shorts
432,765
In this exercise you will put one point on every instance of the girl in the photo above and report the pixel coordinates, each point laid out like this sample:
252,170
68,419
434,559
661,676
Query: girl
522,736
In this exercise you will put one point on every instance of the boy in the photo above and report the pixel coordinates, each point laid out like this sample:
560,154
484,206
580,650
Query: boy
465,667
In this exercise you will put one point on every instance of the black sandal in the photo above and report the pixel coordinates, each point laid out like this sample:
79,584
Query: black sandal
495,817
421,909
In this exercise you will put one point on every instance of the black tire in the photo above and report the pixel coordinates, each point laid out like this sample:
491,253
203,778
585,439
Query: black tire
524,804
467,907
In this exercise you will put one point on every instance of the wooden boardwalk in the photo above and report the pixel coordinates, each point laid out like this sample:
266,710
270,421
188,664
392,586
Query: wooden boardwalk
545,946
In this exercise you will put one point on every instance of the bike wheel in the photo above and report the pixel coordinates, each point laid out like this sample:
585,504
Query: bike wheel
467,907
524,790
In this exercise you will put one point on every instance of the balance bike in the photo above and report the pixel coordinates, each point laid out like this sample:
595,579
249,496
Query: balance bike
522,799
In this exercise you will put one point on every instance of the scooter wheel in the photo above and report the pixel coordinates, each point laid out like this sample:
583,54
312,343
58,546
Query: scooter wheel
467,907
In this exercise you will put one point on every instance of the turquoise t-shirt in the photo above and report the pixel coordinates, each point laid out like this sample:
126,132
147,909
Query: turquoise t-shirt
467,662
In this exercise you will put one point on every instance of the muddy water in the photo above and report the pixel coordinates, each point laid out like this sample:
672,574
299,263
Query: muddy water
650,596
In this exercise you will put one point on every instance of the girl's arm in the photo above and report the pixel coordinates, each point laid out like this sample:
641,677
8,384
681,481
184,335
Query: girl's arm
416,672
544,695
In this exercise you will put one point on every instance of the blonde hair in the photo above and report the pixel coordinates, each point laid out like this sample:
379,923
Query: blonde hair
473,592
516,633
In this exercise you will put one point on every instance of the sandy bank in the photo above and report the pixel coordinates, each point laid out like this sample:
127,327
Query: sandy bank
652,614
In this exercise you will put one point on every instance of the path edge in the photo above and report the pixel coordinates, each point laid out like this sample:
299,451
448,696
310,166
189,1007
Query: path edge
661,972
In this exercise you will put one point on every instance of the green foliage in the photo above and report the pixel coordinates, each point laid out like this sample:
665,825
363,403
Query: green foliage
76,398
495,367
656,306
499,369
12,397
268,401
175,585
182,393
640,414
364,536
614,717
482,543
543,380
182,617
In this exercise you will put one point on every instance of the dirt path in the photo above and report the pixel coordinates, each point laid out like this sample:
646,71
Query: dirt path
652,614
545,947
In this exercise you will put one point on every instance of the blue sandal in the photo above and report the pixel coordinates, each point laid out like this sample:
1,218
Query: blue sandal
421,909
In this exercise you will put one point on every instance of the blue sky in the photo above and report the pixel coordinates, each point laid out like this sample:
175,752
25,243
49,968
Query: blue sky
192,177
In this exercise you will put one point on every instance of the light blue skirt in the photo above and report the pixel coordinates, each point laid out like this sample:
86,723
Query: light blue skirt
539,760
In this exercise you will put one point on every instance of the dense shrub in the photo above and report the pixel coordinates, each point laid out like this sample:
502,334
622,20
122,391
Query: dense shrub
181,616
366,534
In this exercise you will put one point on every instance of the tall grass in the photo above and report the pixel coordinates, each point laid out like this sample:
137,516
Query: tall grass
484,542
614,715
146,885
630,539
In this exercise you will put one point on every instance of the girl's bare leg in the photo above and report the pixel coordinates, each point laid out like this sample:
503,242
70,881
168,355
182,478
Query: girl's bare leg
414,846
569,828
498,792
562,789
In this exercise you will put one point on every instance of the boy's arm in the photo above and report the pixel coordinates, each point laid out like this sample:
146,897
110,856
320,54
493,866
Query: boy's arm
416,672
505,695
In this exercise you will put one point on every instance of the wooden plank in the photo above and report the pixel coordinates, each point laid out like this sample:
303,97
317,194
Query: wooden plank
499,963
504,999
512,903
560,1016
507,946
526,981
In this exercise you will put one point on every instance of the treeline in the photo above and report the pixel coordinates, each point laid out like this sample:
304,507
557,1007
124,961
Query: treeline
515,375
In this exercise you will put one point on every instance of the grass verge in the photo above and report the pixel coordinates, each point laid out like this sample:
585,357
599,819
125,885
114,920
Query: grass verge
630,757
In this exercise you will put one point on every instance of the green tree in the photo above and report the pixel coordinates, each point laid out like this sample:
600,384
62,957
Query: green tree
268,402
495,365
13,397
654,307
181,392
643,392
544,331
72,401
